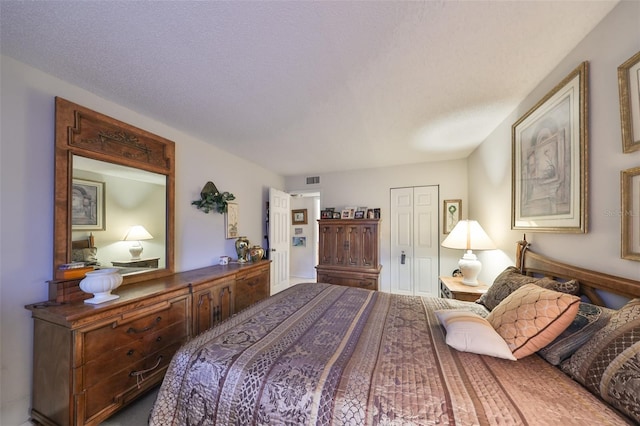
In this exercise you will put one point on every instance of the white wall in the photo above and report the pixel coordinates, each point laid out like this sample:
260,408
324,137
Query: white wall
611,43
371,188
26,215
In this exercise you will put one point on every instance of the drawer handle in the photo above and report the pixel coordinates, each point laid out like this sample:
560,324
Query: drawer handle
135,330
139,375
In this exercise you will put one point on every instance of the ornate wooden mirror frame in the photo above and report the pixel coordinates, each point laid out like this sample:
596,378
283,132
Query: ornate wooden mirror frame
83,132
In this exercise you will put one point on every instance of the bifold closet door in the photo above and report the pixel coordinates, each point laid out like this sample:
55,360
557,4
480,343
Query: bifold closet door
414,241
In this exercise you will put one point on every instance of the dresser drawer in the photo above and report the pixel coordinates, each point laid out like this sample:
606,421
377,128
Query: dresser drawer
114,390
124,331
445,293
368,283
123,357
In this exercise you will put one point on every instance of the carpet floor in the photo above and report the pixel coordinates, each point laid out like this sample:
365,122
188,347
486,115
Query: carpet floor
136,414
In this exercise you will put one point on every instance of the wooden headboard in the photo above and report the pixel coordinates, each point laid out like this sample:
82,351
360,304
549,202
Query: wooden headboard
86,243
534,264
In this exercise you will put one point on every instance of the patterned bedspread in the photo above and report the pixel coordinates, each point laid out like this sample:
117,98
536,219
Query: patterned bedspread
317,354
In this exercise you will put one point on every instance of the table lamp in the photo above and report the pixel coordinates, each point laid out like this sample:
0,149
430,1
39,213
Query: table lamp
137,233
469,235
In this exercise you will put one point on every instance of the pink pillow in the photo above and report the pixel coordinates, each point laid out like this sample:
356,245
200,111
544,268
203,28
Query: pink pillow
532,317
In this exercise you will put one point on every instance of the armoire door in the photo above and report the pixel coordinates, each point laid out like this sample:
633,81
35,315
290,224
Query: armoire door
414,241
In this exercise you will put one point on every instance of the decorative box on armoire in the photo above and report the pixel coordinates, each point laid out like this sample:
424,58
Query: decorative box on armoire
349,252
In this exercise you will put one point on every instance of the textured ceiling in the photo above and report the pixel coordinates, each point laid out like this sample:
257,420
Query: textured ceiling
308,87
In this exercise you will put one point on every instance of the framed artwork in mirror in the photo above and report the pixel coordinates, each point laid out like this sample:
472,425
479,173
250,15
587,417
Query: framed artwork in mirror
452,213
549,186
629,88
299,217
630,213
87,205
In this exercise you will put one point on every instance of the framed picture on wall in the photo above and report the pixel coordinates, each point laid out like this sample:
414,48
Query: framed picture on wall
549,188
299,217
299,241
452,213
629,88
87,205
231,221
630,212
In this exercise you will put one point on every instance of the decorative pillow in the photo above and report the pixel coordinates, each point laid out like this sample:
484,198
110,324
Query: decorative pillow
86,255
469,332
532,317
511,279
590,318
609,363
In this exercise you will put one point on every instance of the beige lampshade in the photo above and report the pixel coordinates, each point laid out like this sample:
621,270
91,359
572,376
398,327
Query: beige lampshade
137,233
468,235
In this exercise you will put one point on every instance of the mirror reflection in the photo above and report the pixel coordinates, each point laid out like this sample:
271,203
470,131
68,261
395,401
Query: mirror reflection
118,216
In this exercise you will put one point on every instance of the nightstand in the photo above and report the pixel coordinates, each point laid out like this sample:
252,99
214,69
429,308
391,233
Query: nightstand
151,262
452,288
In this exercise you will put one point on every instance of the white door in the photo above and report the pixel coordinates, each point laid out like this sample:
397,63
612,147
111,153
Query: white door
402,241
279,226
414,241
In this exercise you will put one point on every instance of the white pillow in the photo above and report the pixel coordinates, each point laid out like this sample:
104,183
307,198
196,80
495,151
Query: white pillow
469,332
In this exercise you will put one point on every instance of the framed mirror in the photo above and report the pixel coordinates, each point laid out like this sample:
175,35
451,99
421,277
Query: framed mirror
114,195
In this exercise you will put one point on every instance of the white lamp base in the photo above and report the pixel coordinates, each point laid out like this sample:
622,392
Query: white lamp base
470,267
136,251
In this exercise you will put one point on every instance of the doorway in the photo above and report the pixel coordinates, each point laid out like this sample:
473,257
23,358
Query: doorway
304,237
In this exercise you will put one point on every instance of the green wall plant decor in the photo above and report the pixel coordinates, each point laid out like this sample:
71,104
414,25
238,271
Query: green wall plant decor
212,199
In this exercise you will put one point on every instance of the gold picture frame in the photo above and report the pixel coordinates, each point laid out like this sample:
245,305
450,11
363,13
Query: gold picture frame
549,160
451,214
629,88
630,213
299,217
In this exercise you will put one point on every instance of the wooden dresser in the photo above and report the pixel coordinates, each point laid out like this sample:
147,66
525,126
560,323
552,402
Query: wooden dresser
349,252
91,360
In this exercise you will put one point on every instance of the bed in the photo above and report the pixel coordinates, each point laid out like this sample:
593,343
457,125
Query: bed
320,354
85,251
